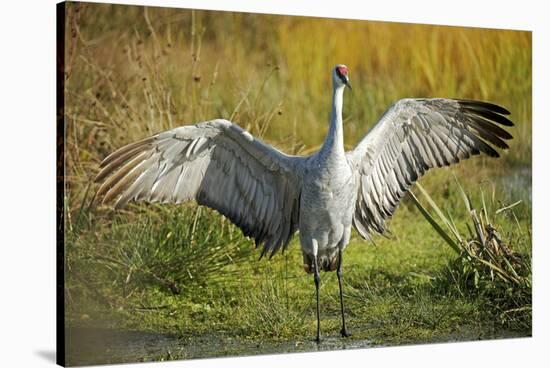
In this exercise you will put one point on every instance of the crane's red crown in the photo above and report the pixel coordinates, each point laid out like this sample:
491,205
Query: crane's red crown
342,71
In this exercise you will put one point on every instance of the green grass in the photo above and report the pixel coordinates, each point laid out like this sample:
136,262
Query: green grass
132,72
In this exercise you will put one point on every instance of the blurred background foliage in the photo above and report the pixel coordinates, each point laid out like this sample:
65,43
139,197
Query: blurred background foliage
133,71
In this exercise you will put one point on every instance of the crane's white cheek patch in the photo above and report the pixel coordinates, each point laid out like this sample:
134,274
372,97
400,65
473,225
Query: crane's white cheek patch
248,136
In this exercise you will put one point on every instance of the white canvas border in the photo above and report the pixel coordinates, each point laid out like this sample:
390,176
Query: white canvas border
27,317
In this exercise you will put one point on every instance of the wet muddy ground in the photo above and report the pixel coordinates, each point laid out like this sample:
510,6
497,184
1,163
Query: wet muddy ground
87,345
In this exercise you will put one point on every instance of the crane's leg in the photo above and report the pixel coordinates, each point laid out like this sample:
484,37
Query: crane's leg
317,280
343,331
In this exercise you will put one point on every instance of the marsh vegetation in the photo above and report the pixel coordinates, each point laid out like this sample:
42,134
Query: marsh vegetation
186,272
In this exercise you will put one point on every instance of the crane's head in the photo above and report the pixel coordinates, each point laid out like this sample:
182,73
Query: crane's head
340,76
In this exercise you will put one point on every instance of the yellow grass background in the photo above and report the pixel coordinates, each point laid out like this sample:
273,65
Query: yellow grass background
134,71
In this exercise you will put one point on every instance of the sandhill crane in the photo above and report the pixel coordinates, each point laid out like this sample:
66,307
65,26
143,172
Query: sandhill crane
270,195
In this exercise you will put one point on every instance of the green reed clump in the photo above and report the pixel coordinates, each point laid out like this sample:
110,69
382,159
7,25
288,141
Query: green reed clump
490,263
276,313
154,247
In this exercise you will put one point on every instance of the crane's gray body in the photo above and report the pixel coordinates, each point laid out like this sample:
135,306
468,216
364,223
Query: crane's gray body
327,204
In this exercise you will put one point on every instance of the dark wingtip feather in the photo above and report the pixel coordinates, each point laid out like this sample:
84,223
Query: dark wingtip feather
490,131
489,115
490,151
484,117
484,105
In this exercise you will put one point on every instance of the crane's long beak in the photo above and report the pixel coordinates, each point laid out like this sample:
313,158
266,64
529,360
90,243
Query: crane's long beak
347,83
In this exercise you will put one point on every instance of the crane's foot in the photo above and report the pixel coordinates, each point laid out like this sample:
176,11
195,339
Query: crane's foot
318,339
345,333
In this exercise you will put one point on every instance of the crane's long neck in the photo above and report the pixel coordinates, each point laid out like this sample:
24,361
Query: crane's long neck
334,142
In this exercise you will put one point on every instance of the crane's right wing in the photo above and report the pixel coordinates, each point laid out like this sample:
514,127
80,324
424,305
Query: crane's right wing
413,136
219,165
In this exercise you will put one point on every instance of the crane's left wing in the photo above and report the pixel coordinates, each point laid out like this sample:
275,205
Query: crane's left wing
219,165
413,136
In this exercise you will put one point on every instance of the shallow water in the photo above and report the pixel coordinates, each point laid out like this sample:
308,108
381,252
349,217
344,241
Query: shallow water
92,345
518,184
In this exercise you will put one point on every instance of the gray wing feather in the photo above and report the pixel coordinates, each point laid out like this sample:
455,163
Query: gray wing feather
413,136
219,165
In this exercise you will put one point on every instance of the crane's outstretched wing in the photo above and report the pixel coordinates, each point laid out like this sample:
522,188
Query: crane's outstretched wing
413,136
219,165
